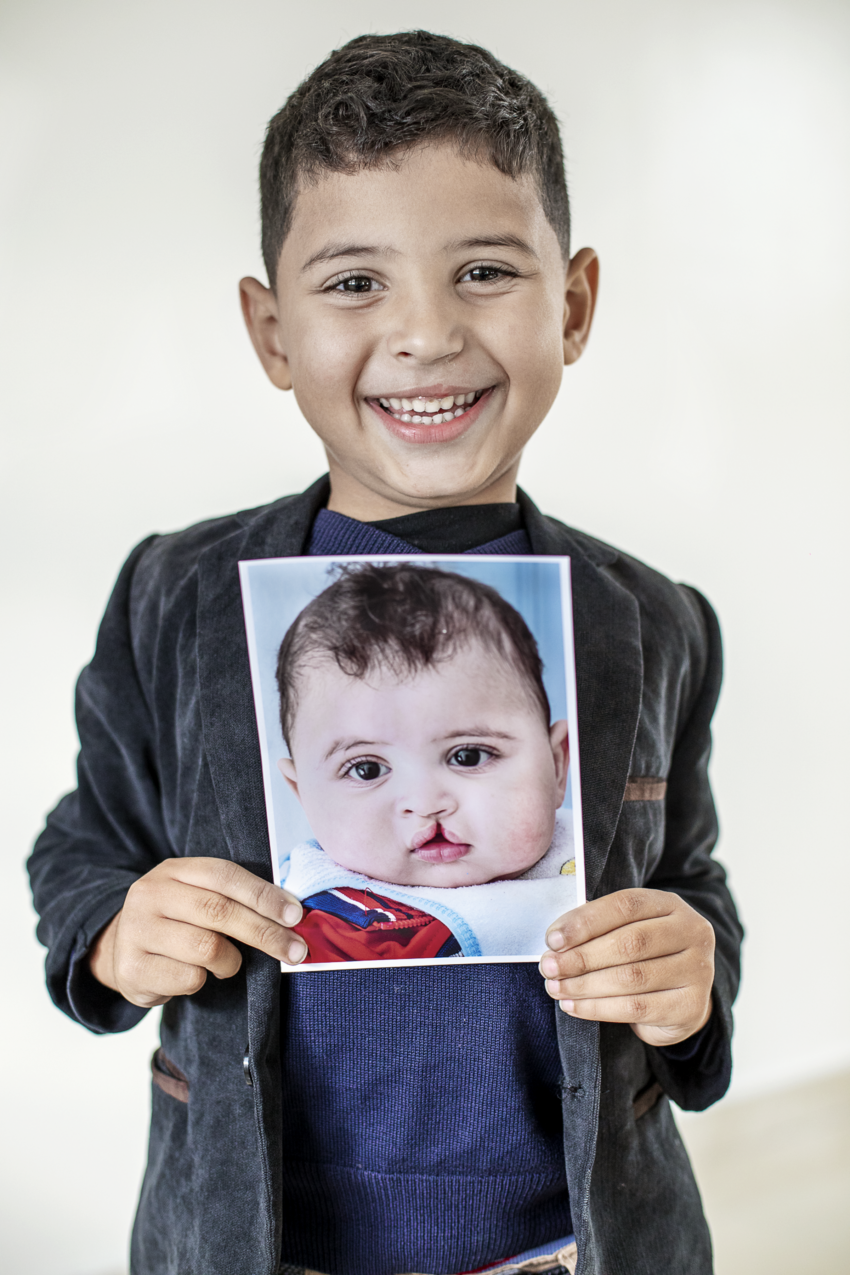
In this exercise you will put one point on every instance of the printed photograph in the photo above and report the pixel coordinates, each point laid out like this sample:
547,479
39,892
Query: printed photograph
417,726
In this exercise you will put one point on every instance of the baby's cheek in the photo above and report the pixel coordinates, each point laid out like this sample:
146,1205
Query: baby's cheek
525,829
354,839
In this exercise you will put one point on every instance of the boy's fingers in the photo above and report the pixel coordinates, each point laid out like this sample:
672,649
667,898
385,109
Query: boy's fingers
630,944
601,916
667,973
206,910
221,876
651,1008
192,945
149,979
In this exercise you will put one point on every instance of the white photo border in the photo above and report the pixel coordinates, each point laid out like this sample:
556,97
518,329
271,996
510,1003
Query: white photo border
419,559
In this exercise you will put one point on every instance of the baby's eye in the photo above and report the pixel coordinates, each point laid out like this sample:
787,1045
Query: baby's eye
367,771
469,757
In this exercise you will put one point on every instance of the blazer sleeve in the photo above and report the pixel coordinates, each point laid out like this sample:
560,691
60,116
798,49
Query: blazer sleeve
109,832
697,1072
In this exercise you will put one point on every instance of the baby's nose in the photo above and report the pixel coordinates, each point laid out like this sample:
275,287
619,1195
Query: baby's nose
432,804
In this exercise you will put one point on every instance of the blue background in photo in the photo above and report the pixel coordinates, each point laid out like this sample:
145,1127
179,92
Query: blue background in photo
281,588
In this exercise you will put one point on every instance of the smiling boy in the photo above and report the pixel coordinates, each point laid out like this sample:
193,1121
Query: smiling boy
429,276
416,237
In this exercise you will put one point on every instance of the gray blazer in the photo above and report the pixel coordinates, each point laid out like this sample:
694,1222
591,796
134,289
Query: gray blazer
170,766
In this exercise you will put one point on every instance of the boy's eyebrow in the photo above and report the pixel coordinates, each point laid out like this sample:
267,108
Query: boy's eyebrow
332,251
494,241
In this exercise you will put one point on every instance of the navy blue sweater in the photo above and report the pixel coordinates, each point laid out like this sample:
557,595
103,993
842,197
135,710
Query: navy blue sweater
437,1149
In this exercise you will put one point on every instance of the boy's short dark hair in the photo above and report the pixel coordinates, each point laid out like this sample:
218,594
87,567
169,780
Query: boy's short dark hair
385,93
403,618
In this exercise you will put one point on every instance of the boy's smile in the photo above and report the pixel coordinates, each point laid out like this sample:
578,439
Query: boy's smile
435,414
450,777
423,314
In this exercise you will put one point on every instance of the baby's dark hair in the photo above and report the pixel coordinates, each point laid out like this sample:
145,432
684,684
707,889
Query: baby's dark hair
384,93
403,618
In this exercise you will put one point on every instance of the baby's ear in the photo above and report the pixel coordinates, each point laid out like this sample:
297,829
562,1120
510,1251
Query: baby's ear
286,766
559,739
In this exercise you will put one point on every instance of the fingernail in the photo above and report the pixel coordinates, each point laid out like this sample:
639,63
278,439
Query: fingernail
297,951
549,967
292,914
552,986
567,1006
555,940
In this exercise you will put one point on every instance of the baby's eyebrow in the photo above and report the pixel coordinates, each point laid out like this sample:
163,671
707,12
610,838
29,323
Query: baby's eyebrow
332,251
340,746
477,732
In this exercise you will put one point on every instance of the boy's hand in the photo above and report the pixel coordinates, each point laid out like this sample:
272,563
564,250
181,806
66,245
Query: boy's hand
642,957
171,930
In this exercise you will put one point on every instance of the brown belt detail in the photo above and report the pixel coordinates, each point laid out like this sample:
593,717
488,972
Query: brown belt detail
647,1099
168,1077
645,789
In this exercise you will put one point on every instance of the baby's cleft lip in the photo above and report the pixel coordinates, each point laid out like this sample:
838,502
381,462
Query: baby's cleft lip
436,844
442,851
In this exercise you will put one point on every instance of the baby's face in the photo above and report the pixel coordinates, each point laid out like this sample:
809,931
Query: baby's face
449,778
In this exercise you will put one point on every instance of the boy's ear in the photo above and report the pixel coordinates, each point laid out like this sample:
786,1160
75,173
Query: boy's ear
580,302
286,766
559,739
260,311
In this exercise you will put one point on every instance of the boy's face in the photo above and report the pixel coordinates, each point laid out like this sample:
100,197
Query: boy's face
449,778
432,279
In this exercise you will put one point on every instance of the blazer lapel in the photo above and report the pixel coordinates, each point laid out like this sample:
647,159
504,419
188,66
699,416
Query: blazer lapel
227,707
609,678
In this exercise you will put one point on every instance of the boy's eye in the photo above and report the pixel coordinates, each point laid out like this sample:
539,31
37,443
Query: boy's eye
488,274
355,285
367,771
469,757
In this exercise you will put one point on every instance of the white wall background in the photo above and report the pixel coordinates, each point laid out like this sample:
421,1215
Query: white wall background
706,431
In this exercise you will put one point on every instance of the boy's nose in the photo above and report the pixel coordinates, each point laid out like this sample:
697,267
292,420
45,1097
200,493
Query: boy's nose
425,328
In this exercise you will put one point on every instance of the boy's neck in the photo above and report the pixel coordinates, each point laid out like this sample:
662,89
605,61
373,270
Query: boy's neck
355,500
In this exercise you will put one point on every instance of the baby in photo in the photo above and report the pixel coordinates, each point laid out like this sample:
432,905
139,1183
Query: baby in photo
421,749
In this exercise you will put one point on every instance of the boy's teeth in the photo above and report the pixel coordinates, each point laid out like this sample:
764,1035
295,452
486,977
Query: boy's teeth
422,410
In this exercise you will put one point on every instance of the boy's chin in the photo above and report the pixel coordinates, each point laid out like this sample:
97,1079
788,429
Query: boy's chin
432,478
